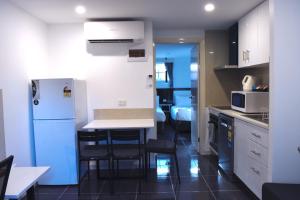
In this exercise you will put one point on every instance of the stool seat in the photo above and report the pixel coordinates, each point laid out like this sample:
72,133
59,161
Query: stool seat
160,146
280,191
95,152
127,151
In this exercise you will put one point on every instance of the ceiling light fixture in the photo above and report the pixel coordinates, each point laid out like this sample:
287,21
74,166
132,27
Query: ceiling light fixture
209,7
80,9
181,40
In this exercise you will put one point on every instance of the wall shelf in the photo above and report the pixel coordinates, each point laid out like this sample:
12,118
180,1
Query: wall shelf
235,67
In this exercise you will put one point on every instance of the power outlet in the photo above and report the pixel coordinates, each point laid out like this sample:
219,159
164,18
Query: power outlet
122,103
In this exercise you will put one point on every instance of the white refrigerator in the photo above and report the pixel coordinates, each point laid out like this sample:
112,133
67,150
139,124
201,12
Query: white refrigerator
59,109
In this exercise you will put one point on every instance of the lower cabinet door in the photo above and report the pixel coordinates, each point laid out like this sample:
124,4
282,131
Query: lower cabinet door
240,150
256,176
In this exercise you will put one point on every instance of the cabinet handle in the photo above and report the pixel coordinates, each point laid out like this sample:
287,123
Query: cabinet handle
256,135
255,153
223,124
255,170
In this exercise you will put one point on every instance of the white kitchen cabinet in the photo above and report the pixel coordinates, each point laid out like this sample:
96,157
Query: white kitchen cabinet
264,33
254,37
256,176
251,155
240,150
242,42
258,152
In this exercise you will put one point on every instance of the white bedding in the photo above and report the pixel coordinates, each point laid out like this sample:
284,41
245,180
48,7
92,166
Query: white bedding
160,115
181,113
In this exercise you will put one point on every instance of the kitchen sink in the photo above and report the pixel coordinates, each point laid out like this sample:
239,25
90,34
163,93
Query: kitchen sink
259,117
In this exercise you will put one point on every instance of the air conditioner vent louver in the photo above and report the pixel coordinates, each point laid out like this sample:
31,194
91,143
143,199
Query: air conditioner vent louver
112,41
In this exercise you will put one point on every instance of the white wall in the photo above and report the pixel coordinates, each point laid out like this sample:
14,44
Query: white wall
182,72
22,53
110,77
285,92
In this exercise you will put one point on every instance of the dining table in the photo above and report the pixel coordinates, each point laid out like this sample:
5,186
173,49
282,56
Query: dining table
21,181
111,124
114,124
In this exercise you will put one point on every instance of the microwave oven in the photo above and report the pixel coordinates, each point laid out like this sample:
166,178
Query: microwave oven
250,102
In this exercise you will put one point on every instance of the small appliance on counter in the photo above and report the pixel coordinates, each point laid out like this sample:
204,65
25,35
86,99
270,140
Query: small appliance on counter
248,83
250,102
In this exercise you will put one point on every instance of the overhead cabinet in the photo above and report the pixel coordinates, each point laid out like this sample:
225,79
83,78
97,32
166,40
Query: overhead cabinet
254,37
233,44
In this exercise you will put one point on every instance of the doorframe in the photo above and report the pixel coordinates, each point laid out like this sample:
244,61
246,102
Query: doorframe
201,79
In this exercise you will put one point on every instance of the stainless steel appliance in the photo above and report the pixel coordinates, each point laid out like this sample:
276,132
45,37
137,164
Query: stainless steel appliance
226,144
250,102
213,132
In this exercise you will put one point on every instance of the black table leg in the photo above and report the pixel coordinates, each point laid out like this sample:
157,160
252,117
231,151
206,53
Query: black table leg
30,193
145,158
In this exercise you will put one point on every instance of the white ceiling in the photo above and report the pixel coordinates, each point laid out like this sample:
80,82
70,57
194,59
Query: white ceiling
165,14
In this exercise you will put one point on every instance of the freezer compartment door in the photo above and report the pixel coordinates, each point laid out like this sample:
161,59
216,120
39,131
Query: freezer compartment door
53,99
55,146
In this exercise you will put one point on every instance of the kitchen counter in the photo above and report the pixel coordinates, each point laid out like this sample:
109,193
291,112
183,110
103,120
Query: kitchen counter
238,115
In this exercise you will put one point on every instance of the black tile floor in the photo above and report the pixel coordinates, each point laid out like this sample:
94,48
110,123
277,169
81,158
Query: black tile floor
200,180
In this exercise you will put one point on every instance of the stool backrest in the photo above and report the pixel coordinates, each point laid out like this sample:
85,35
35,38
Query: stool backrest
91,138
125,136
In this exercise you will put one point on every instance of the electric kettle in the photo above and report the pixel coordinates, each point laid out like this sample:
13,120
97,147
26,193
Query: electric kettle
248,83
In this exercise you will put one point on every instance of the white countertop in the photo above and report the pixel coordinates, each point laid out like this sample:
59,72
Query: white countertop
120,124
21,179
238,115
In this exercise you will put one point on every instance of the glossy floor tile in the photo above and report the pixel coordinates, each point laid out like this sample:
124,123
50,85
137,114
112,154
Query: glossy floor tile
200,179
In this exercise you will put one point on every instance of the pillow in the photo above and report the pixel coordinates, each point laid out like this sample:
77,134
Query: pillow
157,101
183,100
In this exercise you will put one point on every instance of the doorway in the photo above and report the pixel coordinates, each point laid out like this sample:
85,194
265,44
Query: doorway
176,71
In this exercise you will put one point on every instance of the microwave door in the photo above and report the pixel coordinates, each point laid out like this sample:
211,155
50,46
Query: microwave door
238,100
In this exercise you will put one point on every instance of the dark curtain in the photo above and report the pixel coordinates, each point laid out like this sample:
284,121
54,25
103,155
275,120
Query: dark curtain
169,67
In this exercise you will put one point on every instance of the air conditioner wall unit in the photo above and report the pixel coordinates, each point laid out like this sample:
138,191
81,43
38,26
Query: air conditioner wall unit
114,31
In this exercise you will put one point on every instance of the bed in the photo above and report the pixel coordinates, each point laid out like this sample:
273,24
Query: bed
160,115
181,112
